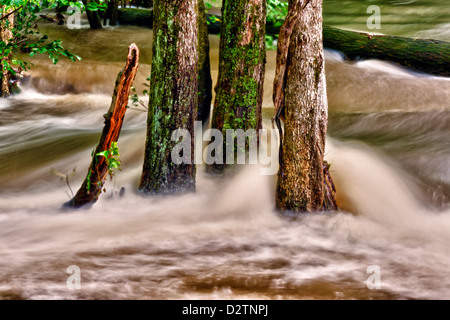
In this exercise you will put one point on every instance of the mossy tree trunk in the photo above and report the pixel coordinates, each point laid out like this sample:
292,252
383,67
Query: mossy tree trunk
94,19
6,23
239,90
173,96
204,66
300,99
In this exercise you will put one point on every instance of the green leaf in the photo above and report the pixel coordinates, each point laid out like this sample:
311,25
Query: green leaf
103,154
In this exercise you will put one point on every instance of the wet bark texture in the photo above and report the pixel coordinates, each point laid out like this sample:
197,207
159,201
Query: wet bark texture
93,16
92,186
204,66
5,36
300,98
173,96
239,90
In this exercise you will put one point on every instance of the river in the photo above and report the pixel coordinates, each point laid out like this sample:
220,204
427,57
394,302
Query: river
387,144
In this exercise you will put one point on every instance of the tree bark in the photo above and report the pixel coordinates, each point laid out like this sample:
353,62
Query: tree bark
92,186
204,66
93,17
429,56
300,98
173,97
239,90
5,35
112,13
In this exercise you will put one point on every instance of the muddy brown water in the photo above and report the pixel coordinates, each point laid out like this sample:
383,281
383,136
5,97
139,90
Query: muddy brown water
390,154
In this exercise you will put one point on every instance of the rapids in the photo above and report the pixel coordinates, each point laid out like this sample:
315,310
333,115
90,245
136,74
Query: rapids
387,144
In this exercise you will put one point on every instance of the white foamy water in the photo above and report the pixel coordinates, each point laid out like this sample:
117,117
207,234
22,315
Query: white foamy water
226,241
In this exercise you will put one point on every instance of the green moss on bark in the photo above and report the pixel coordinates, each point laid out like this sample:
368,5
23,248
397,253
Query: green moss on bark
241,68
173,96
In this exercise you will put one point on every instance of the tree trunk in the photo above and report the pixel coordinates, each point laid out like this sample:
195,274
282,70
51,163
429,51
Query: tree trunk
173,97
112,13
300,99
204,76
92,186
137,17
430,56
6,24
93,16
239,90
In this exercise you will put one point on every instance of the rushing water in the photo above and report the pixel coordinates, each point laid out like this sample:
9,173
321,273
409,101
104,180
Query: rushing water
390,154
410,18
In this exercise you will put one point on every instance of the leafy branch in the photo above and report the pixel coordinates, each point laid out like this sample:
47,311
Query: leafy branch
24,35
112,159
136,101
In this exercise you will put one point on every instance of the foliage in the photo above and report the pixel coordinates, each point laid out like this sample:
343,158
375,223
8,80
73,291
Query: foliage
25,35
271,42
276,12
210,3
112,159
136,100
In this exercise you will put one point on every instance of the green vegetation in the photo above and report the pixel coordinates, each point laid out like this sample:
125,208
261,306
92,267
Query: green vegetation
112,159
113,163
276,12
20,33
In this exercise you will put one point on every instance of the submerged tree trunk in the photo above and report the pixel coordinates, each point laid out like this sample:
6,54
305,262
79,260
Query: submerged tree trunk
6,23
95,21
204,73
92,186
239,90
115,13
112,13
430,56
423,55
173,98
300,99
